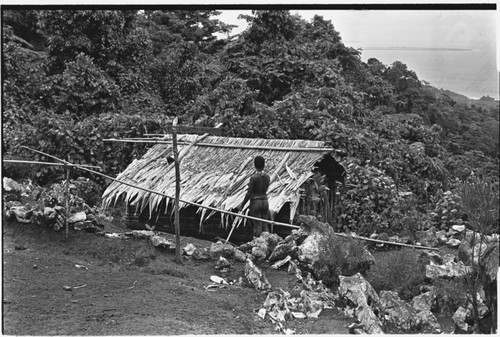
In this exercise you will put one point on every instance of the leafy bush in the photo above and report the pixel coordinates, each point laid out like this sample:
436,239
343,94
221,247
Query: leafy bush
83,89
398,270
61,136
369,197
340,256
447,211
480,202
409,217
89,191
407,224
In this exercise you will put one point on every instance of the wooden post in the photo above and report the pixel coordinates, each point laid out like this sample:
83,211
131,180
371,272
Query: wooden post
307,199
333,191
177,195
177,159
66,203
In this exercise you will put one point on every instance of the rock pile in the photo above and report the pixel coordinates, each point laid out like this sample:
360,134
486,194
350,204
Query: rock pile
31,204
281,306
453,237
306,247
475,253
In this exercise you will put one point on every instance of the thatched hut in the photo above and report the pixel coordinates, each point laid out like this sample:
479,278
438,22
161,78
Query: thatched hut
216,171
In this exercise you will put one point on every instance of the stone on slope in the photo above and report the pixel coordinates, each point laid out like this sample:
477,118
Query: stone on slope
447,270
160,242
189,249
461,318
21,213
222,263
282,250
202,254
357,291
427,238
77,217
256,277
321,241
398,314
221,249
239,255
423,305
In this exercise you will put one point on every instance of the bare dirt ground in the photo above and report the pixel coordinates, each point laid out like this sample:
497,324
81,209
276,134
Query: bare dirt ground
130,288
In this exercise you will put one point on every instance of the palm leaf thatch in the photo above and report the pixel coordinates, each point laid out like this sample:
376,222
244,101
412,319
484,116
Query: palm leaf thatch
217,176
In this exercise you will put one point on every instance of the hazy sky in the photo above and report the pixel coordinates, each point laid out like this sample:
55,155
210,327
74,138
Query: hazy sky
471,70
471,29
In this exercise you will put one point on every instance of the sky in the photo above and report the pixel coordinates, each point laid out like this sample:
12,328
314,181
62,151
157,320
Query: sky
398,28
450,49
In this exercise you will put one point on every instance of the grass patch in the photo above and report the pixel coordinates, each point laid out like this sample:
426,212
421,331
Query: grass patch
451,295
131,252
398,270
160,266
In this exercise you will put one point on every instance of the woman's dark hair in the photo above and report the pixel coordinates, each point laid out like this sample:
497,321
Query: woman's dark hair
259,163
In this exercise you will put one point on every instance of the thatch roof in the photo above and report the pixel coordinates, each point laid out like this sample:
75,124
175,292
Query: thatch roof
218,176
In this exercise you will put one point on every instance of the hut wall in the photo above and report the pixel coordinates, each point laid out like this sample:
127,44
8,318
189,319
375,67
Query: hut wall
190,223
284,217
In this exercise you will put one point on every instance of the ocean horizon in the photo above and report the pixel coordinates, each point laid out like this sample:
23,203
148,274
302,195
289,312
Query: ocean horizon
450,50
464,71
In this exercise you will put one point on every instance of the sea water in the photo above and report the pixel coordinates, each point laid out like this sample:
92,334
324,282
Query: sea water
468,72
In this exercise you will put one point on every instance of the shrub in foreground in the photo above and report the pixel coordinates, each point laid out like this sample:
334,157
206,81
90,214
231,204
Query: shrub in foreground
340,256
398,270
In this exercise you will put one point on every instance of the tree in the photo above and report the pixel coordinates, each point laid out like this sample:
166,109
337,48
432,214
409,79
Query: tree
401,77
23,70
487,98
171,27
84,90
95,58
267,25
376,67
24,25
99,34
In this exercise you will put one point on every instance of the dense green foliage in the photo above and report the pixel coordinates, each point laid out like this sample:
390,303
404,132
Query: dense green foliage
72,78
339,256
